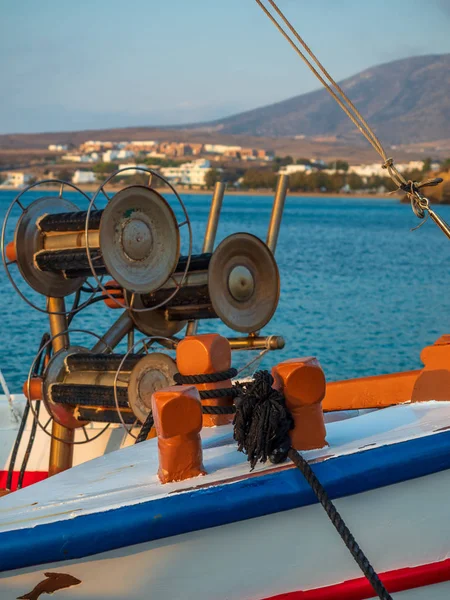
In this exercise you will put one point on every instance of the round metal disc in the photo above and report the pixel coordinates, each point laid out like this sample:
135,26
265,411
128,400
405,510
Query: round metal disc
154,322
28,240
152,373
139,239
243,282
56,372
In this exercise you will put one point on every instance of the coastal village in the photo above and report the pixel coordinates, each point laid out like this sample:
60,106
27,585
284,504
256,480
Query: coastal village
198,166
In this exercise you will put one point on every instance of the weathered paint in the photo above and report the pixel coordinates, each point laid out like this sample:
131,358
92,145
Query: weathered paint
178,416
296,549
302,382
205,354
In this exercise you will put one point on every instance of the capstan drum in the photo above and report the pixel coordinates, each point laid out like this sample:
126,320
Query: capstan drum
238,283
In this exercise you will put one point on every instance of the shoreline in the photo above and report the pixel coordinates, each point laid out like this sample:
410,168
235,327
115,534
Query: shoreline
228,191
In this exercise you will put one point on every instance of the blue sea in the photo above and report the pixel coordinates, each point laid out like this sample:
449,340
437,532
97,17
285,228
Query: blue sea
359,290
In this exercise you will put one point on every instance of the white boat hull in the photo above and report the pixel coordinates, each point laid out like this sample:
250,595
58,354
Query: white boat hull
291,554
282,553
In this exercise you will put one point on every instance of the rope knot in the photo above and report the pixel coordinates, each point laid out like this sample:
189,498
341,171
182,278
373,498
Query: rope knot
262,421
389,162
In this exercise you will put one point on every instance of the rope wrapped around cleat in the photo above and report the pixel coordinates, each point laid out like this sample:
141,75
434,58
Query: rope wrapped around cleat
205,377
261,429
212,394
145,429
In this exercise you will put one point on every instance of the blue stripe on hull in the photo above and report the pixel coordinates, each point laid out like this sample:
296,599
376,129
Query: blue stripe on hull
209,507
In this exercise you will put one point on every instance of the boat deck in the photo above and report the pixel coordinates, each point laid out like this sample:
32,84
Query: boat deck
129,477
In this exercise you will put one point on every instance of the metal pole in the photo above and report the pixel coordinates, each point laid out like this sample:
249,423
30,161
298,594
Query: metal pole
210,234
61,449
277,212
271,342
115,334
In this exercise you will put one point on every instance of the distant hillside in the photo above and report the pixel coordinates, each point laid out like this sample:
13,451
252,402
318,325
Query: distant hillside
406,101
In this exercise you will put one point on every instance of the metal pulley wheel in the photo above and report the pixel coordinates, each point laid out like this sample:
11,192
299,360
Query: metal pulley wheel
29,242
243,282
139,238
154,371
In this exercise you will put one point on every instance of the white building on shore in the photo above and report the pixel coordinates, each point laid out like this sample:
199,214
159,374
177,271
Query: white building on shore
190,173
58,147
378,170
80,177
113,155
289,169
131,169
220,148
17,179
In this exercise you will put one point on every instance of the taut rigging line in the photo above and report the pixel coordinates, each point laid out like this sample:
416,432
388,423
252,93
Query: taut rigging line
419,203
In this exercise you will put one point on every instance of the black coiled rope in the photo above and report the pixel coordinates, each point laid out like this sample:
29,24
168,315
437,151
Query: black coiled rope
145,429
212,394
261,429
205,377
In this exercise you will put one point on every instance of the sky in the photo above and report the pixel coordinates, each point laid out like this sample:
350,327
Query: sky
116,63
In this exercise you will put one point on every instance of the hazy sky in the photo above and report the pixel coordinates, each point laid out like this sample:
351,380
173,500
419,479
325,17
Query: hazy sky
103,63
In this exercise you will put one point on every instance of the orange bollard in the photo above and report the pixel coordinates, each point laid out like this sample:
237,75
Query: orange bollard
433,382
302,382
205,354
177,411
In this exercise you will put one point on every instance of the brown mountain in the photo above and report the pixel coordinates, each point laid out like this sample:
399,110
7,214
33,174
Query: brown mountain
406,101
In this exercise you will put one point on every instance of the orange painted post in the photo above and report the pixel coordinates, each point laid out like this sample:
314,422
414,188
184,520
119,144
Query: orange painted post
177,411
302,382
433,382
205,354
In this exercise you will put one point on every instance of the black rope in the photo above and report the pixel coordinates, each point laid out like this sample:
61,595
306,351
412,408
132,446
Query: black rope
23,421
80,394
219,410
29,448
206,377
339,523
17,442
105,416
145,429
92,402
261,429
219,393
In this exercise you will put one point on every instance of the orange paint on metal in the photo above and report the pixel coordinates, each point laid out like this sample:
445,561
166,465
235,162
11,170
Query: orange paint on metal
34,390
10,252
433,382
119,301
302,382
377,391
205,354
177,411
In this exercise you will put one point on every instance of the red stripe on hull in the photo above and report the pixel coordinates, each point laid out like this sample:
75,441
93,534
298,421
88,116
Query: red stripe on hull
400,580
29,478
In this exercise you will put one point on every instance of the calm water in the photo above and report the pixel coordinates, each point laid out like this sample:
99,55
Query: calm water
358,289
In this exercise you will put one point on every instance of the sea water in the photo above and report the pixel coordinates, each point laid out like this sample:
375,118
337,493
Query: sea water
359,289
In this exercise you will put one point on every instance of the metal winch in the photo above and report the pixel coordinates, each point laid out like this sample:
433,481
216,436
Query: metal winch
238,283
136,239
80,386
